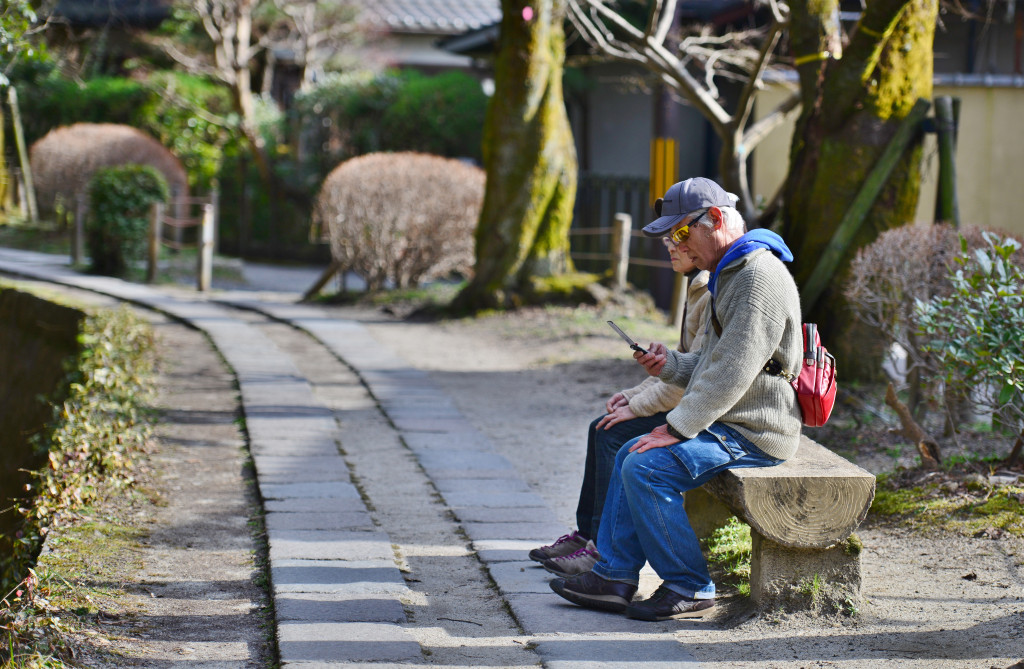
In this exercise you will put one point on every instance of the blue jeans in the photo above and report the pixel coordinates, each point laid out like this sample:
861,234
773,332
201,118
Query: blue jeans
644,519
602,446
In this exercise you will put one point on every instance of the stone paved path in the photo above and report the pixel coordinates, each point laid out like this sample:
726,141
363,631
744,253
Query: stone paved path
329,451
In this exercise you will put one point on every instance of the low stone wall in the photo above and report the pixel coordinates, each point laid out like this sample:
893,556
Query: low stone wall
38,345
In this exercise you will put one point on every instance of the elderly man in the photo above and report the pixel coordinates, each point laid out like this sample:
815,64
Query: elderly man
738,410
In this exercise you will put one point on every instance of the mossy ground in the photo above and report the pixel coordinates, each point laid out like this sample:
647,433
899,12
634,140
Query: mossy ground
951,502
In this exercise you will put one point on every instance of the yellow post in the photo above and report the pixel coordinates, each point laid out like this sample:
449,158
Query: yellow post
664,165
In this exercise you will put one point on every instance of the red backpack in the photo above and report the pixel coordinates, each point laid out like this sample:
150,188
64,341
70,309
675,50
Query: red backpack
815,383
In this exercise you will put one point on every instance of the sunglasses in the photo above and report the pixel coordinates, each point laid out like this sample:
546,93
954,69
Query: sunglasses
681,234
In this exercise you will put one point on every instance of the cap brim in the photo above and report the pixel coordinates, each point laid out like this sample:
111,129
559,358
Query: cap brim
660,226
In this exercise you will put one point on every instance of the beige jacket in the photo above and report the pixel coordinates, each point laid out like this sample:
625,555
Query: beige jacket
654,395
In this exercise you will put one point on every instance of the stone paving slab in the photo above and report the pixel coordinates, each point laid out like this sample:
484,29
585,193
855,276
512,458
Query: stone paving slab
507,514
323,520
447,485
315,504
662,652
462,440
338,608
331,642
324,490
538,533
503,550
548,613
329,545
520,499
301,469
463,459
350,577
292,446
521,577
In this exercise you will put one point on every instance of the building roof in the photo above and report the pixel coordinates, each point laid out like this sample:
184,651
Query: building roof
112,13
437,17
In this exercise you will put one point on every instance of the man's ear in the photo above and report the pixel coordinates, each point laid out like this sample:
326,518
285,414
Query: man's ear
716,216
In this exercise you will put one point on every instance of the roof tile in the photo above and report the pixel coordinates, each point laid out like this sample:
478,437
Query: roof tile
434,16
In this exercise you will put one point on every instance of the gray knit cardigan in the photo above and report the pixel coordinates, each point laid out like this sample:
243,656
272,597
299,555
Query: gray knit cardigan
758,306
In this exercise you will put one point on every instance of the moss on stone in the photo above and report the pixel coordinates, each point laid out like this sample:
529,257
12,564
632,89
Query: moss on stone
853,545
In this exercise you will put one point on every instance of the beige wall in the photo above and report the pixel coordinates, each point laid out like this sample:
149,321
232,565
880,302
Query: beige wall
989,161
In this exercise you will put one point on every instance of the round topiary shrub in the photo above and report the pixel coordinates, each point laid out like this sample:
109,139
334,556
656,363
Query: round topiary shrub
400,219
66,159
120,206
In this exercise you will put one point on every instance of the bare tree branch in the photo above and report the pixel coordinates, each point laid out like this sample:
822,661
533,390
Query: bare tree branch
691,66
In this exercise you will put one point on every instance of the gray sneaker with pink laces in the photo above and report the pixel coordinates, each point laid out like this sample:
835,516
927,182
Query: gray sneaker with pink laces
567,544
575,563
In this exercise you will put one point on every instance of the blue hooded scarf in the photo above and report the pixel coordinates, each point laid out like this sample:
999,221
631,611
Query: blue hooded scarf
755,239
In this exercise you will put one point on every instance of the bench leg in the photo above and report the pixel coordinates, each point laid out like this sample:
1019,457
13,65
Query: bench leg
705,512
826,580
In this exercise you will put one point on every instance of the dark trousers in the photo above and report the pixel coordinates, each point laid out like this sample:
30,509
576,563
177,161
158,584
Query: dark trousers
602,446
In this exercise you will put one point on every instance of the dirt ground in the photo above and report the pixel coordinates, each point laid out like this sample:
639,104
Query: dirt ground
939,601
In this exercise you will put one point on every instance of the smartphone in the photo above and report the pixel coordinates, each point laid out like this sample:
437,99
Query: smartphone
632,344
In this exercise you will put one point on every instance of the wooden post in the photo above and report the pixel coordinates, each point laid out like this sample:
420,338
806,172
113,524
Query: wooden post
155,234
181,211
947,205
78,231
331,270
204,272
215,201
26,169
621,227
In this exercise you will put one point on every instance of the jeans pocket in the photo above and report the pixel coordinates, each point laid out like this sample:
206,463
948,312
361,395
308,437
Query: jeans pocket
713,449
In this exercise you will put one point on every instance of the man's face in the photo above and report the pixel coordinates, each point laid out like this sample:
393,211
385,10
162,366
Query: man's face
701,247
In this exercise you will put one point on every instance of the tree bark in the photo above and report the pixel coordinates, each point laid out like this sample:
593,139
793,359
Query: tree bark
530,159
852,108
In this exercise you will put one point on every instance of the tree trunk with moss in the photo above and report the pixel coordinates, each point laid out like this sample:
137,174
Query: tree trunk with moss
853,104
522,237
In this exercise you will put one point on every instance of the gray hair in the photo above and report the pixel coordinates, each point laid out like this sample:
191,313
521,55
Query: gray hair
732,220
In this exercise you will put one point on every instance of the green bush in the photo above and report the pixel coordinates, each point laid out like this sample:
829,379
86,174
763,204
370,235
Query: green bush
442,115
119,208
976,333
352,115
49,100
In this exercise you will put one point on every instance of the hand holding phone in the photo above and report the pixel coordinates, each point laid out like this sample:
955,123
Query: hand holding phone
632,344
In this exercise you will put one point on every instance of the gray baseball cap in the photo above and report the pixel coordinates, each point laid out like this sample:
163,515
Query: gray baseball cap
686,197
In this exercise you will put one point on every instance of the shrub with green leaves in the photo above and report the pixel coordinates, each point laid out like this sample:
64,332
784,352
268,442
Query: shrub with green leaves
442,115
976,333
120,202
354,114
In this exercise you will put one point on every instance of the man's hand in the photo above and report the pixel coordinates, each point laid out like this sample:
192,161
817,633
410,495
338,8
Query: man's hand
654,360
618,415
617,400
658,438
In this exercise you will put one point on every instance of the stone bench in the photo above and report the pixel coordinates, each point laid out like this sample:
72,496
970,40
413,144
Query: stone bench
802,515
